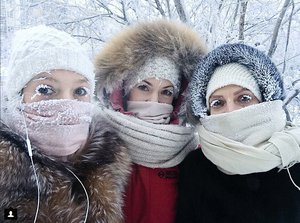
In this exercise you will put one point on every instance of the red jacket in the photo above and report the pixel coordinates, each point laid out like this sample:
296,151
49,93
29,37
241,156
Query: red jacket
151,195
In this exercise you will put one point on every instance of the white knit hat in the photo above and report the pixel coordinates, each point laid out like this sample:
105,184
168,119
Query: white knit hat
40,49
156,67
232,73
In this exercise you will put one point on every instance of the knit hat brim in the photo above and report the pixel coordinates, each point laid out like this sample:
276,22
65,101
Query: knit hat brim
232,74
60,59
156,67
42,49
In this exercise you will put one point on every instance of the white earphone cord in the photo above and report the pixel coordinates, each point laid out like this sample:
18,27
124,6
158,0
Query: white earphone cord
37,181
86,194
288,170
34,170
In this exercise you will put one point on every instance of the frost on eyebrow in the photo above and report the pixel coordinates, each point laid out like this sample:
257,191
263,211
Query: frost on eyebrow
41,76
40,79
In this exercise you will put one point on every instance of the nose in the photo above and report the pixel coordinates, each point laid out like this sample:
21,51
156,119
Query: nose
65,95
231,106
153,97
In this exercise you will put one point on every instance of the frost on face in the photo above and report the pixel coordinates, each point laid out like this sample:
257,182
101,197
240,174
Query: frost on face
88,91
57,112
37,92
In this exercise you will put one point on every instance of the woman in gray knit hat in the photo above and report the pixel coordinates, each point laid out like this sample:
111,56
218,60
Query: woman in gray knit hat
142,75
246,169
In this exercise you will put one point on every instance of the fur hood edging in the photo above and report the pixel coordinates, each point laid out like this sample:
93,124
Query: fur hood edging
260,65
129,50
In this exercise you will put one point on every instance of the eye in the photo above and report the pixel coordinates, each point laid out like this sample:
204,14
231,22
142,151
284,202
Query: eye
217,103
167,92
143,87
44,90
245,98
82,91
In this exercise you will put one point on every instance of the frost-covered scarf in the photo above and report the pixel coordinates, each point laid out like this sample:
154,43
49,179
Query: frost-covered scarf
253,139
153,145
56,127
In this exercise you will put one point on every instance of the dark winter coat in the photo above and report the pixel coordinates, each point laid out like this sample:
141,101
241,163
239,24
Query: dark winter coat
102,165
207,195
151,195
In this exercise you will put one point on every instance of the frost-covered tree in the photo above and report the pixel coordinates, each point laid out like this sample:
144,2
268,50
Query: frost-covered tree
272,26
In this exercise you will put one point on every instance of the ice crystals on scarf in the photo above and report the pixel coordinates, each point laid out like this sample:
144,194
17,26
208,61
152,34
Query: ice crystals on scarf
57,127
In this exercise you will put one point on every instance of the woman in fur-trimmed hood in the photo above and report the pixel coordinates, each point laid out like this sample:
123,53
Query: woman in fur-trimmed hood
60,161
247,169
142,75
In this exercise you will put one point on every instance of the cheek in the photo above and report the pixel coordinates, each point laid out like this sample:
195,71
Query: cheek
86,98
215,111
30,95
137,95
166,100
255,101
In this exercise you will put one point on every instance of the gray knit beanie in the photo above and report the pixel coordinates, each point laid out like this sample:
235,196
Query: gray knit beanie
156,67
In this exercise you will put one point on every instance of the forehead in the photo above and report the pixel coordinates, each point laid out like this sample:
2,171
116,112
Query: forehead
229,89
158,82
60,76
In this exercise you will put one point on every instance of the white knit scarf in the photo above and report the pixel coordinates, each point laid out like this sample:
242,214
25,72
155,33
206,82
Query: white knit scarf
153,145
250,140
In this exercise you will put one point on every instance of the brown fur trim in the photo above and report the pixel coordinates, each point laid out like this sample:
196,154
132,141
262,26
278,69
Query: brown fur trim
128,51
103,166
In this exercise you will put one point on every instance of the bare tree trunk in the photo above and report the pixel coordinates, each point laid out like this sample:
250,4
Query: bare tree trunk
169,9
233,22
180,10
242,20
159,8
220,5
276,29
288,36
236,10
124,12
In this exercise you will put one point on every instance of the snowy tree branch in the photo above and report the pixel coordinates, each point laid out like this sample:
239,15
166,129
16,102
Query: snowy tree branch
242,20
159,8
276,29
180,10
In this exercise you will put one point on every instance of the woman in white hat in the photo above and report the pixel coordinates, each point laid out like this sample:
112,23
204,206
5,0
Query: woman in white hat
246,169
142,75
58,163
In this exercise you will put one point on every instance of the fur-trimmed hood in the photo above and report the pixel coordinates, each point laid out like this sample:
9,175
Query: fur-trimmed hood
264,71
129,50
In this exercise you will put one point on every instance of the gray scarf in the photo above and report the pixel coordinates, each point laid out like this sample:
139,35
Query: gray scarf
153,145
